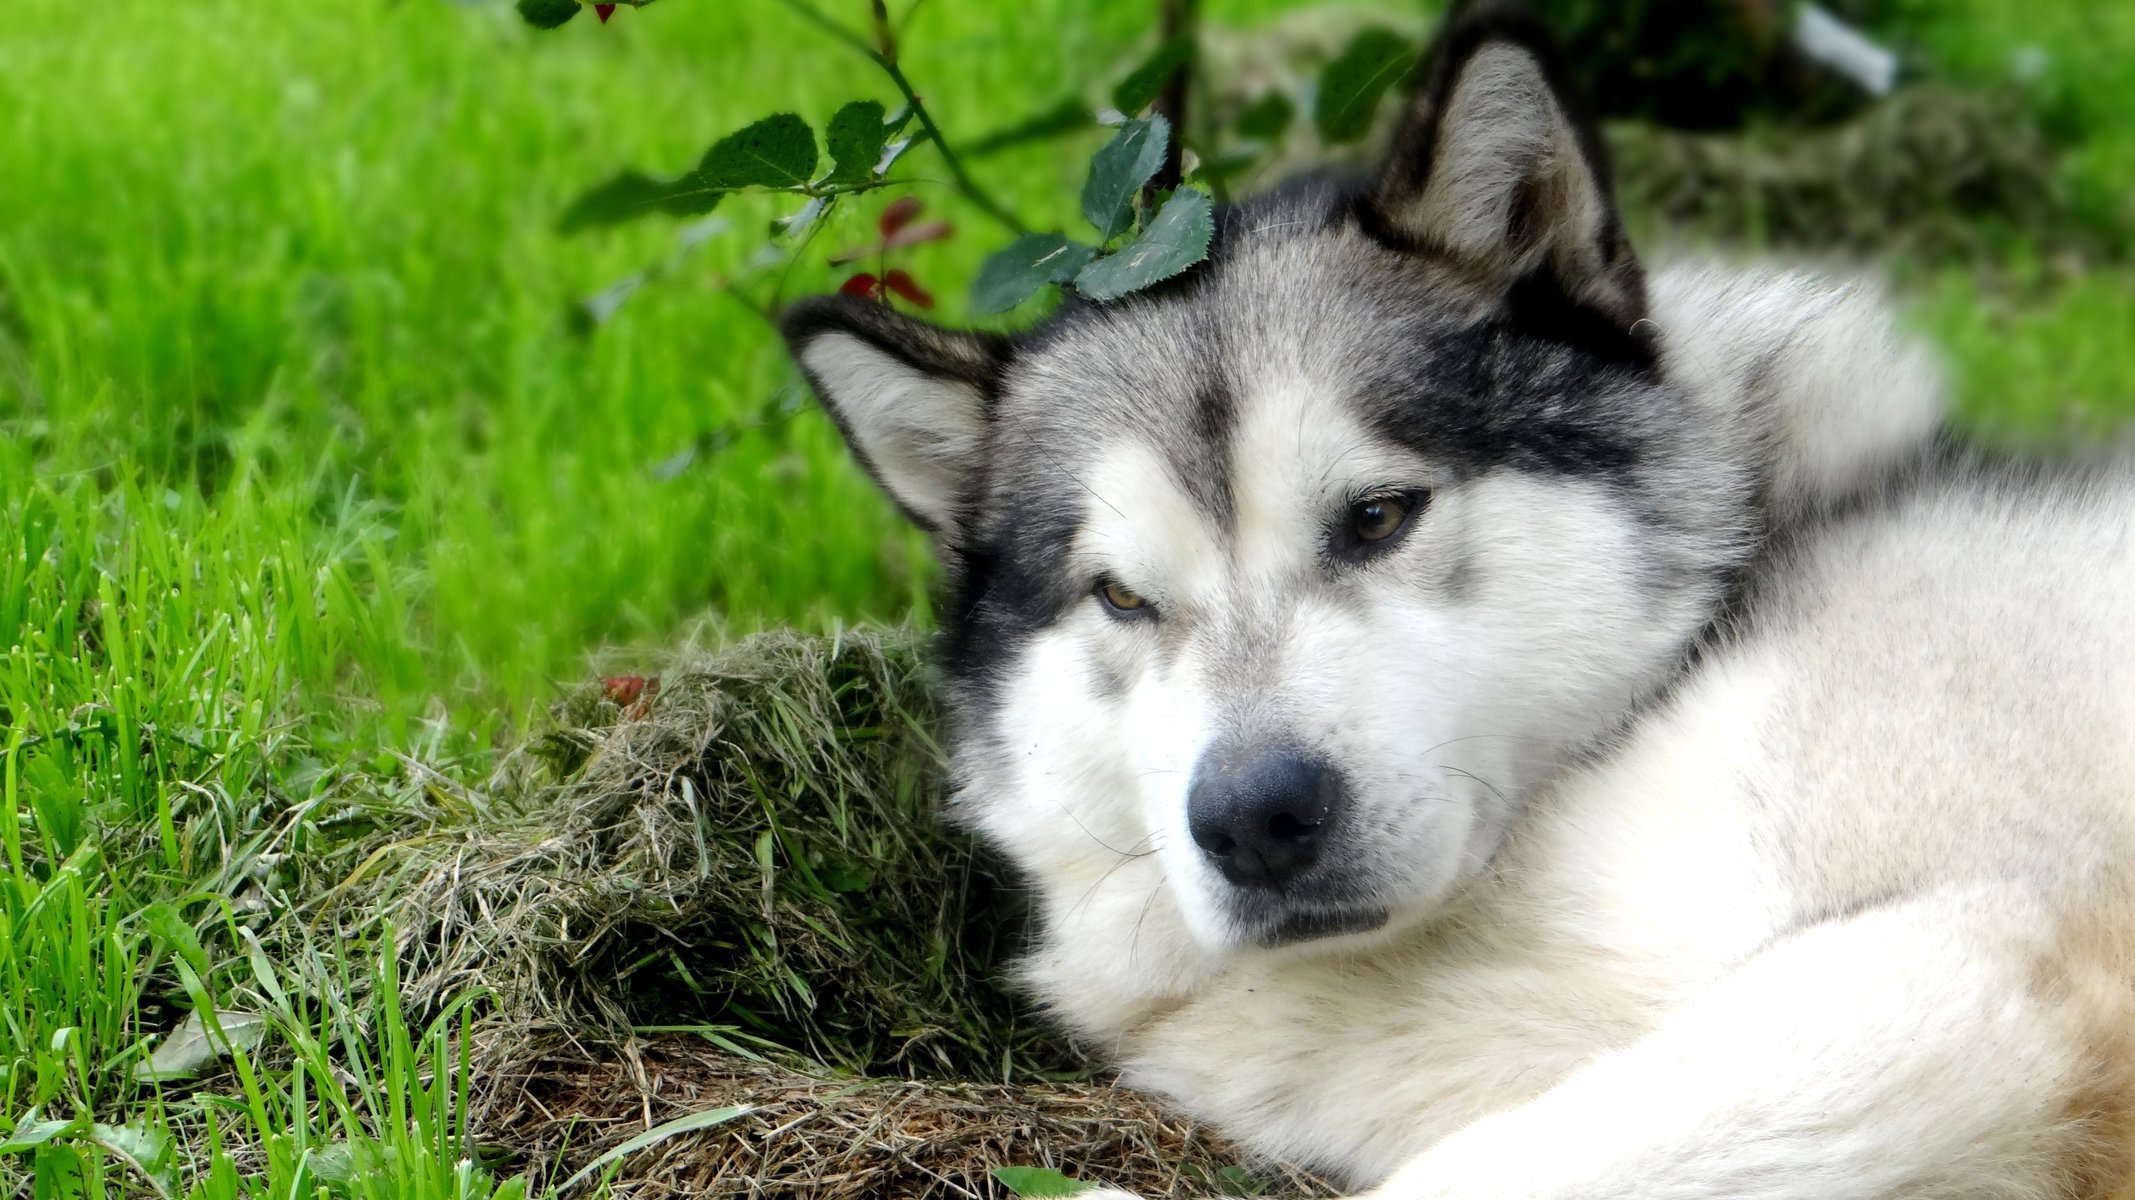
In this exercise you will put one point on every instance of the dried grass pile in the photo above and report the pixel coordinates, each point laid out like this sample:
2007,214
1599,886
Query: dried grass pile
1929,169
748,849
847,1139
753,843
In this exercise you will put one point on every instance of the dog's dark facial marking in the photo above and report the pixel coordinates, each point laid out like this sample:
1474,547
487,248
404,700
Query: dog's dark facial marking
1495,394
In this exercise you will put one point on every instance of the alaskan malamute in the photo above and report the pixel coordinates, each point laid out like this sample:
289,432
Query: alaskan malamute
1485,723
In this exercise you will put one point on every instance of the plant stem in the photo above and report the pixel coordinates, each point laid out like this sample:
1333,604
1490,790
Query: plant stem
1174,17
964,184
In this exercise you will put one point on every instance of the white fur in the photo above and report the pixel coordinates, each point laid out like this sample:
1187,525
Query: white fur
1846,915
919,431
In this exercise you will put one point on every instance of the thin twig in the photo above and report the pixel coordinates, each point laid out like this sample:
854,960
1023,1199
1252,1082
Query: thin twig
964,183
1175,18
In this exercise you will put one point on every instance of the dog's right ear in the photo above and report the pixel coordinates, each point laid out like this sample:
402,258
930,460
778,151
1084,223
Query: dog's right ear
1499,170
913,400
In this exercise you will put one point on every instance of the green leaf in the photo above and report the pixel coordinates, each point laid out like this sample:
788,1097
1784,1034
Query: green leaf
335,1163
1033,1182
547,14
856,135
1067,115
1119,169
632,194
176,935
1142,85
145,1149
1267,118
58,1173
33,1131
1010,275
1352,85
1177,239
776,152
658,1133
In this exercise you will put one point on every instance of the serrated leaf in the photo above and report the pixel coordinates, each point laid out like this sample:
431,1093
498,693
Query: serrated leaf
147,1150
1351,86
658,1133
1177,239
192,1045
33,1131
631,194
335,1163
177,936
1142,85
547,14
1033,1183
856,134
1267,118
776,152
1119,169
1014,273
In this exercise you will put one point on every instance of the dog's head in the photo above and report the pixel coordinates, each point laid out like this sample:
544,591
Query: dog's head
1274,589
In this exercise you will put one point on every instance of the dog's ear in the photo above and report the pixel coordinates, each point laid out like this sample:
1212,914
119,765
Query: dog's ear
913,400
1498,168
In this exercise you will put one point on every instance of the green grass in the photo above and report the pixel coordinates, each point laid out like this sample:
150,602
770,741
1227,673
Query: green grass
305,479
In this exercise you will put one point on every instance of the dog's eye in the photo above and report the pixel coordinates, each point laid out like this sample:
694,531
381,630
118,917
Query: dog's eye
1122,600
1377,518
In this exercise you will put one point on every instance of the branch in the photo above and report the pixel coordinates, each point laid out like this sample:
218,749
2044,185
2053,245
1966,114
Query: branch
963,181
1174,18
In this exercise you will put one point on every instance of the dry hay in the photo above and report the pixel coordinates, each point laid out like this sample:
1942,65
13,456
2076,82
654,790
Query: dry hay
1930,169
753,844
839,1139
751,850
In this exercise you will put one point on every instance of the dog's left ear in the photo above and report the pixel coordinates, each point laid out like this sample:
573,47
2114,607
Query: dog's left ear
1498,167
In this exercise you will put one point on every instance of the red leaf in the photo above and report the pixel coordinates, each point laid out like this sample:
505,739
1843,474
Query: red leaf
904,285
863,285
932,231
604,11
899,214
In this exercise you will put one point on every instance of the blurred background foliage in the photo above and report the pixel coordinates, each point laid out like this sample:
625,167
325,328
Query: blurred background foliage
318,483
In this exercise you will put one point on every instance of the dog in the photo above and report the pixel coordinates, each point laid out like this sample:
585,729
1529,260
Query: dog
1483,722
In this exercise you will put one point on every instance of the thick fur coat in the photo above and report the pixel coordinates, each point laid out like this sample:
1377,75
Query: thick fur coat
1481,722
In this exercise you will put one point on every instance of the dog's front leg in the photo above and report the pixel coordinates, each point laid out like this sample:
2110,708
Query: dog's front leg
1962,1044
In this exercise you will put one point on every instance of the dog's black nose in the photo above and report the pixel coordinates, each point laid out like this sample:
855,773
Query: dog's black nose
1262,815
